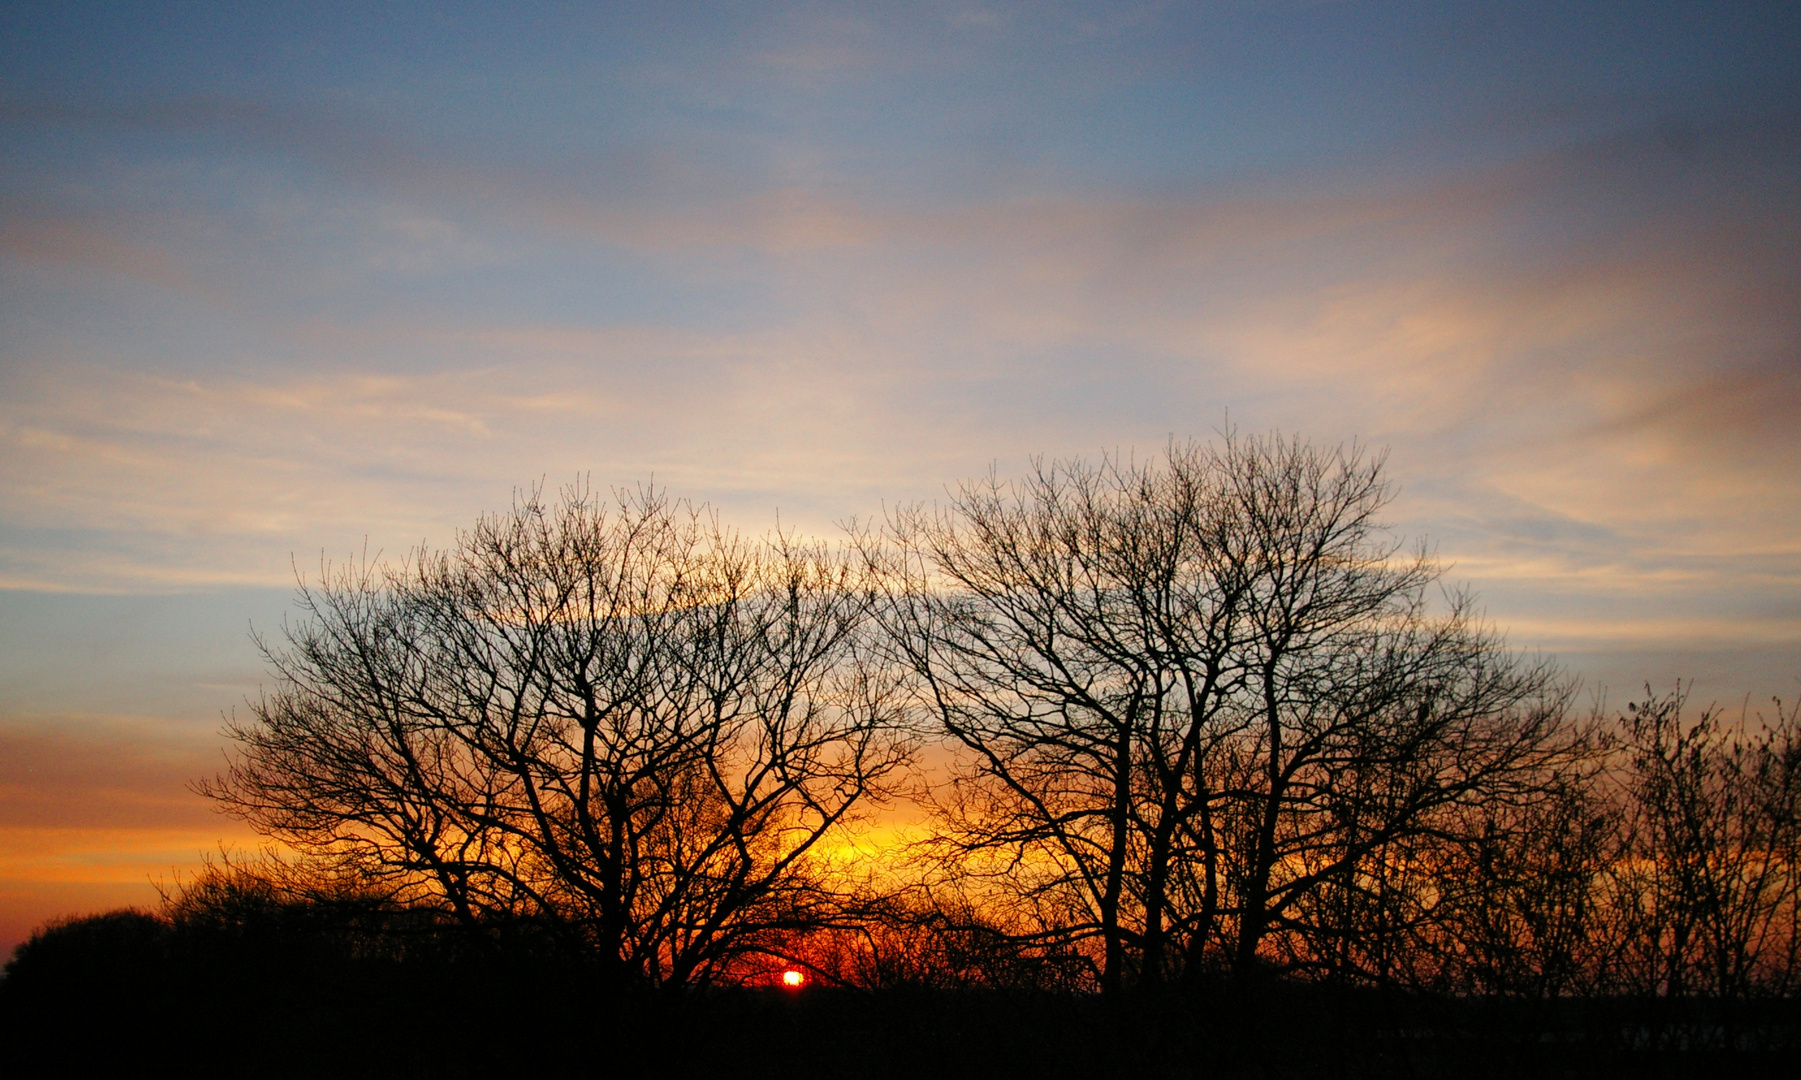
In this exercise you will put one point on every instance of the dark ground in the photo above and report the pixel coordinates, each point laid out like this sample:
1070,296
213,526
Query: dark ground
126,993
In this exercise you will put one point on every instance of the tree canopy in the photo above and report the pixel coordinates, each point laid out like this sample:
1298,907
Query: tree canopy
619,721
1200,717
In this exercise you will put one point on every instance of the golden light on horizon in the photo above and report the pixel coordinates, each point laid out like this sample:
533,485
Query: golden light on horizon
793,979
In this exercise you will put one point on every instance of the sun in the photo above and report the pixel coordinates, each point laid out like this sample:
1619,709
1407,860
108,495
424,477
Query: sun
793,979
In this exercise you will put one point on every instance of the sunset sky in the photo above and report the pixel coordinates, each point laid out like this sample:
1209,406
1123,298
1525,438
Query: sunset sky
279,282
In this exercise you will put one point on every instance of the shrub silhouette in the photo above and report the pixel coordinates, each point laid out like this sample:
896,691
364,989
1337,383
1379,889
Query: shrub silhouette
81,991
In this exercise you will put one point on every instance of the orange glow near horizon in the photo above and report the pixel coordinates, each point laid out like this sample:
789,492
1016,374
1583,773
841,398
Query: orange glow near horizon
793,979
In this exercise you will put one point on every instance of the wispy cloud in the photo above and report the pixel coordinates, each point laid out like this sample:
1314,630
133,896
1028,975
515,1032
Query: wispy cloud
1582,376
89,245
105,773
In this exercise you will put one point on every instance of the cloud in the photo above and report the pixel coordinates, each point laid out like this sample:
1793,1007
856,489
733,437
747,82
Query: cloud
1581,358
350,141
104,773
1744,409
91,245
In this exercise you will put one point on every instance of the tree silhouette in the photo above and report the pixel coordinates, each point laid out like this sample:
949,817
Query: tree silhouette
1713,867
619,722
1198,693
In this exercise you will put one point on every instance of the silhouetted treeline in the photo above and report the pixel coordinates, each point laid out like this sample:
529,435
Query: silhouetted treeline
1670,866
1220,749
255,977
314,979
1599,933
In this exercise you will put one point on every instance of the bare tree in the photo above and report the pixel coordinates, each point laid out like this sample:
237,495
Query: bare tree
621,722
1525,904
928,942
1713,872
1192,693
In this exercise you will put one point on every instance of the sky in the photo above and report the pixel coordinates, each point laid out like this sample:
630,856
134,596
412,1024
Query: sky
284,284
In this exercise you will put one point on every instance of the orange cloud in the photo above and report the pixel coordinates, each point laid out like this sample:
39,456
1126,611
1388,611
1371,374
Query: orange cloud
94,811
90,245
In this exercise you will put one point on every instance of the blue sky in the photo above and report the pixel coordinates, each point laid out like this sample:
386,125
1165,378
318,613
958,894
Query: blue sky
279,282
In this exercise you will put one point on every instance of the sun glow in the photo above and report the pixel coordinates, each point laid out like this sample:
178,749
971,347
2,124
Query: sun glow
793,979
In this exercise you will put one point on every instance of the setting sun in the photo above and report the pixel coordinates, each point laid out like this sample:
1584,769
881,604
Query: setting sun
793,979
